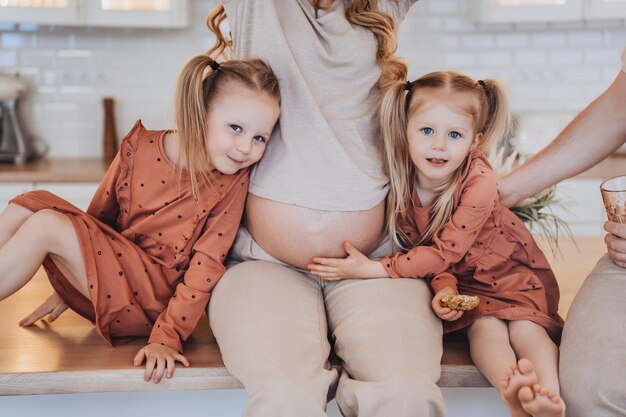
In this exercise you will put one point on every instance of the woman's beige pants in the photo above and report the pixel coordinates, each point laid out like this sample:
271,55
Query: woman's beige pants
592,368
273,325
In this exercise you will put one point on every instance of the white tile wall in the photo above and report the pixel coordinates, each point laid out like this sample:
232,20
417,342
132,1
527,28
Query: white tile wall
555,67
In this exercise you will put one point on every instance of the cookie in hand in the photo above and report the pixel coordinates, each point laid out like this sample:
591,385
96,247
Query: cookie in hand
460,302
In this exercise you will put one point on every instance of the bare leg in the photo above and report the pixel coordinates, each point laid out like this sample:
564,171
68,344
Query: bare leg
11,219
43,233
492,353
531,341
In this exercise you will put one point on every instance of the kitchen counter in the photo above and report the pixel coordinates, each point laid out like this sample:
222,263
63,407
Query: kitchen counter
611,167
55,170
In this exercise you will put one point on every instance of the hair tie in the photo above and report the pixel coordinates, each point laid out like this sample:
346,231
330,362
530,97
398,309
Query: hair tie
214,65
408,86
482,83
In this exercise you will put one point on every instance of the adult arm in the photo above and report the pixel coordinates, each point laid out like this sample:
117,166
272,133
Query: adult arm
594,134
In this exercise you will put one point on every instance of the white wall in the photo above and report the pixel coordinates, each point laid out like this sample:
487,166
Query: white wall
550,68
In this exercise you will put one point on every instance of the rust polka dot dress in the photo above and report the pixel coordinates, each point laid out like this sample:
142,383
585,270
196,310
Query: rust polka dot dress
484,250
152,254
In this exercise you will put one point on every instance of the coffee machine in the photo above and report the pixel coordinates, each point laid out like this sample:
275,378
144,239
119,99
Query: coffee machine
15,145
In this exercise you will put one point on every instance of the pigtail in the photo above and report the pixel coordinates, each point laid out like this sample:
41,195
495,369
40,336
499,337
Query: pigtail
392,119
365,13
498,118
191,110
223,46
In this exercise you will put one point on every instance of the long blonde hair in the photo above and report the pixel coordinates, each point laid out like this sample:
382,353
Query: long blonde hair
487,106
198,86
360,12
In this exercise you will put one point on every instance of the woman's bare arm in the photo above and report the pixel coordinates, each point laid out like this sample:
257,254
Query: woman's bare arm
594,134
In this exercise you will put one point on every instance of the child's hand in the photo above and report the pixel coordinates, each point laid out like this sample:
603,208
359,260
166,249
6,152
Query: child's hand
445,313
53,307
355,265
159,358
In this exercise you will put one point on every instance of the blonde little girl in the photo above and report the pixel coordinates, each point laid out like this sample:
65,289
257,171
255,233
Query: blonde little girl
143,259
444,211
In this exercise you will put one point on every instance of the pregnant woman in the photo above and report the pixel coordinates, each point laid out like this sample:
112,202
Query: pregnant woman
321,183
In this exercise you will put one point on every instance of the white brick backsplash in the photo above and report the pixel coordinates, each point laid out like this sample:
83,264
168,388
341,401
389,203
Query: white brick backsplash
495,59
8,59
548,40
531,58
547,67
458,24
601,56
563,91
460,59
585,38
443,6
582,74
567,57
608,75
616,38
420,23
449,41
477,41
512,40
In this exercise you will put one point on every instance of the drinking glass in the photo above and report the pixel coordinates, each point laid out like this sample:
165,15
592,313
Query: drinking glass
614,196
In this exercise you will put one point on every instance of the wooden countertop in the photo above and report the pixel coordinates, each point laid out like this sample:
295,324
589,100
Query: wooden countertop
69,356
611,167
55,170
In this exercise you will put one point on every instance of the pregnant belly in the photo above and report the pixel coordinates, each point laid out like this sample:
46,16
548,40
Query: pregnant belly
295,234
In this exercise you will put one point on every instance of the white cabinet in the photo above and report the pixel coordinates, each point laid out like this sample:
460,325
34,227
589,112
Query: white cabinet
79,194
515,11
527,10
605,9
50,12
8,190
129,13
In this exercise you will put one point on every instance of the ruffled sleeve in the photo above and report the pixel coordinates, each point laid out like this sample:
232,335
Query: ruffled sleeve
104,205
477,200
206,267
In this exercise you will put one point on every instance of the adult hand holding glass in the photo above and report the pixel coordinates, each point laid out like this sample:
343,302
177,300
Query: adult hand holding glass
614,196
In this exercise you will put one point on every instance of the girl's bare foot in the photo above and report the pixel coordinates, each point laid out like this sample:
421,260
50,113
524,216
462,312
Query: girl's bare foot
519,375
541,402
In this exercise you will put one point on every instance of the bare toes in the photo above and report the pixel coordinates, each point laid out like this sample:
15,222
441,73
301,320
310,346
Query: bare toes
525,395
525,366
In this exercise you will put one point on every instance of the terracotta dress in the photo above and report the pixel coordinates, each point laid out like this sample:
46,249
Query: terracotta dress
484,250
152,253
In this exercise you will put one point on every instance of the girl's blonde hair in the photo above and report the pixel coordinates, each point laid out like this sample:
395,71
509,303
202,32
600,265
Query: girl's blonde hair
485,101
198,87
360,12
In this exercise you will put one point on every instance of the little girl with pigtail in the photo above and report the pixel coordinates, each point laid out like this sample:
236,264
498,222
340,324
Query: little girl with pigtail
444,212
144,258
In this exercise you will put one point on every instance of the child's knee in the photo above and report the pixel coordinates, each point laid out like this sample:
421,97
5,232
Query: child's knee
523,328
46,225
486,323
